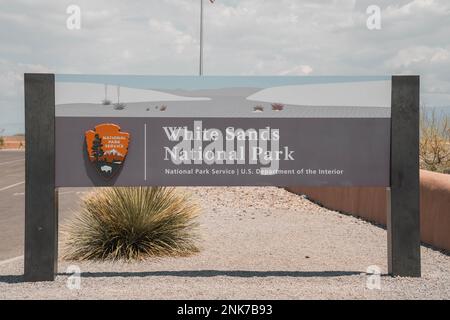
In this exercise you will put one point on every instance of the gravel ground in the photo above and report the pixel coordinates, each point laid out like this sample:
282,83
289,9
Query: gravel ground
257,243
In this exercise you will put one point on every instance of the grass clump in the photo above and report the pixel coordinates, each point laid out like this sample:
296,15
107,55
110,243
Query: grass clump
132,223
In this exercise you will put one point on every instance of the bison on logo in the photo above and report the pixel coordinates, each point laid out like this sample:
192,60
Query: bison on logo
107,148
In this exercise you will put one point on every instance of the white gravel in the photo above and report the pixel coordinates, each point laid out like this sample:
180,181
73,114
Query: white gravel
257,243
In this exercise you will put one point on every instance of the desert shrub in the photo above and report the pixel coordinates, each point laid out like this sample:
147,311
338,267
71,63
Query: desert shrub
258,108
277,106
132,223
2,141
119,106
434,148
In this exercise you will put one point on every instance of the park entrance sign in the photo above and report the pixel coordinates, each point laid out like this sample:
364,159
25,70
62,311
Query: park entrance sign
315,131
99,130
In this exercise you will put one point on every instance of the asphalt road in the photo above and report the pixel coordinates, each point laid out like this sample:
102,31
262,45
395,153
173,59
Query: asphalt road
12,205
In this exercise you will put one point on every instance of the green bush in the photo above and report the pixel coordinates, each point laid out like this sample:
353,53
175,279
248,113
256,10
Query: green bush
132,223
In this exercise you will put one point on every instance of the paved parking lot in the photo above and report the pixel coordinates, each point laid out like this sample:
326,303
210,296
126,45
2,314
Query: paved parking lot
12,203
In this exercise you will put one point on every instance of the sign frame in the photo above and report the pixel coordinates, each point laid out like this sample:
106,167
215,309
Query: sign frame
41,194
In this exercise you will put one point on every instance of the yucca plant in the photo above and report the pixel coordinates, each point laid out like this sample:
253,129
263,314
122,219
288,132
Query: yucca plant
132,223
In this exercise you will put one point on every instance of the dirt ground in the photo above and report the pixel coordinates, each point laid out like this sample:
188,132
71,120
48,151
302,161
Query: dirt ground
257,243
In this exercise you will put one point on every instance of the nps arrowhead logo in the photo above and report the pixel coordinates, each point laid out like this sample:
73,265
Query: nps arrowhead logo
107,148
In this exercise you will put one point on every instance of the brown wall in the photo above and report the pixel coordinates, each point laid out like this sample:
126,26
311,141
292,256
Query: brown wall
370,204
435,209
15,142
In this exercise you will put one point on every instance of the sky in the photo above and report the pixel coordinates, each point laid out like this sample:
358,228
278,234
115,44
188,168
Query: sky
242,37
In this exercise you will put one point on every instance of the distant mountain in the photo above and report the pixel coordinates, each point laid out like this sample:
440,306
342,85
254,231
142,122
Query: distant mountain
11,128
439,112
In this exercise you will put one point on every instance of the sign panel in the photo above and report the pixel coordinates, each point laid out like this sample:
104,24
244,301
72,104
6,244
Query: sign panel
182,130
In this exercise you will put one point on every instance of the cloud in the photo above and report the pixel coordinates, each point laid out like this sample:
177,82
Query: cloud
11,76
11,94
253,37
419,55
297,70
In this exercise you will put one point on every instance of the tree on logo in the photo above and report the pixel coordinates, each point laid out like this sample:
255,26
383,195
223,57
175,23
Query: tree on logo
97,145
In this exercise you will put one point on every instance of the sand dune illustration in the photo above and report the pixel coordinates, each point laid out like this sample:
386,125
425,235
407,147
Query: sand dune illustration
348,94
368,99
76,92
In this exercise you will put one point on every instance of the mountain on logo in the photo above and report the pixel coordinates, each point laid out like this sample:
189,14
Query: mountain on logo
114,152
113,156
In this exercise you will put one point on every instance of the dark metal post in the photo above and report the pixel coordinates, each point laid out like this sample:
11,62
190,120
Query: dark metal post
403,221
41,206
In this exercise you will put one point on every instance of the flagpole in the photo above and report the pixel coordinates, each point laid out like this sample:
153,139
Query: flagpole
201,39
